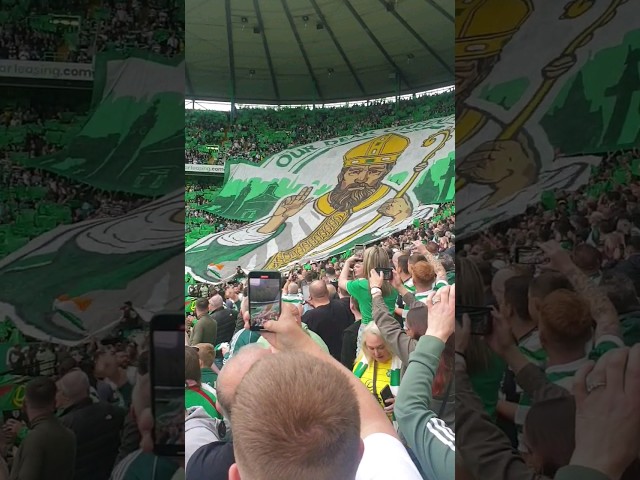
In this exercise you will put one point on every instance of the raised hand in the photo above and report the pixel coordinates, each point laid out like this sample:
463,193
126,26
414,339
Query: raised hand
293,204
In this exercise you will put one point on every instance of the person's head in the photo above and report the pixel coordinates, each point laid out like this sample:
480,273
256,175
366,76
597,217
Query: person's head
587,258
423,276
447,262
318,292
549,434
231,293
515,303
376,258
394,259
274,411
216,302
543,285
106,365
621,291
232,374
331,272
40,397
192,365
416,322
373,345
293,288
122,357
413,259
498,283
72,389
332,292
432,248
206,354
202,306
565,322
403,264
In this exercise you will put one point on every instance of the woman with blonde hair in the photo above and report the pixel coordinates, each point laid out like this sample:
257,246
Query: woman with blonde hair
374,258
377,366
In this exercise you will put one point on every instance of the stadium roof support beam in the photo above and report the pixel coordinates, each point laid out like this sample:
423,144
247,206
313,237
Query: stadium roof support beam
338,45
440,9
232,62
302,50
377,43
256,6
421,40
189,93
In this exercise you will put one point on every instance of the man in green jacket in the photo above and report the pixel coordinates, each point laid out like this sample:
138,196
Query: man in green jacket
49,448
206,328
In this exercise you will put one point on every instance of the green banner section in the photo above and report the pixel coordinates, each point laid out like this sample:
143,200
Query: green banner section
319,200
131,141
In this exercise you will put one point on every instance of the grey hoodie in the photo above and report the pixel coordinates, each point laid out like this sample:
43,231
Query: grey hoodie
199,429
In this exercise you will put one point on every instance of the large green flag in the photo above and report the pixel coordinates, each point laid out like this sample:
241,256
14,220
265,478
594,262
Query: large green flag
319,200
130,142
541,104
88,270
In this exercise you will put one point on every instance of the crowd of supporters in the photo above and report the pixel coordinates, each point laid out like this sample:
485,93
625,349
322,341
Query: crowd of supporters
256,134
361,334
30,29
549,293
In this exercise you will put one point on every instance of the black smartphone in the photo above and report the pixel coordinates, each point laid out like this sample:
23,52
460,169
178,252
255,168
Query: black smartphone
265,297
167,383
358,251
386,273
386,394
529,255
481,320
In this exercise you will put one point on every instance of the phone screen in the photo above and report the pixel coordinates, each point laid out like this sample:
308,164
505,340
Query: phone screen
481,322
167,381
386,273
529,256
265,295
358,251
305,292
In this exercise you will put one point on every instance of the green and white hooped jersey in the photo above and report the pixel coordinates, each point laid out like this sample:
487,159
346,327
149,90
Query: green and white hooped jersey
411,288
422,296
295,299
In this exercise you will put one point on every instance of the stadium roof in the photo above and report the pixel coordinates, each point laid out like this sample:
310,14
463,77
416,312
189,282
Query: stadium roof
316,51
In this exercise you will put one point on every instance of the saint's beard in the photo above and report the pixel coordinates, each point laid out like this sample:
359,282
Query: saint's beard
351,196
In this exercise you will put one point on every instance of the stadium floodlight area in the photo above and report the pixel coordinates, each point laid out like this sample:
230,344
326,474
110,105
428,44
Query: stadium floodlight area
190,104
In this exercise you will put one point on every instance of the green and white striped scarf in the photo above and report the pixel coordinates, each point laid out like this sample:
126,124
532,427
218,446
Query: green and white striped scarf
394,373
422,296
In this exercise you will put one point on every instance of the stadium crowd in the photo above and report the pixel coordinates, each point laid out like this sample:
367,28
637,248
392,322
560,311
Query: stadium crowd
30,30
257,133
549,294
366,341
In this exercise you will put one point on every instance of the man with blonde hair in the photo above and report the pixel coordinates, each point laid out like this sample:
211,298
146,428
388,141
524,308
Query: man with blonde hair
207,356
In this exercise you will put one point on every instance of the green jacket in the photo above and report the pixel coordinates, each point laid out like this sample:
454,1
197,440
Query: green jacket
204,331
208,376
430,439
49,447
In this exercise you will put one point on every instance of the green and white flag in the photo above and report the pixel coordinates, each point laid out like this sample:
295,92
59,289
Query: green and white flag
86,271
318,200
534,122
130,142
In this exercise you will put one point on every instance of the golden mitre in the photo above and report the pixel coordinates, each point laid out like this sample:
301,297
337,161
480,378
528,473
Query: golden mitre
483,27
377,151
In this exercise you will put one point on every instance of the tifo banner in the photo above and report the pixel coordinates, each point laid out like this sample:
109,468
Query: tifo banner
318,200
530,122
46,70
87,271
141,152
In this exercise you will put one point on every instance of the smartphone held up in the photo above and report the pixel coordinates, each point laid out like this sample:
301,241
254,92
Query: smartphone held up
167,383
265,297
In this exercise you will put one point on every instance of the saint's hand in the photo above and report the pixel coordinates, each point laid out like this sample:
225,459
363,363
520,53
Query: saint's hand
494,162
396,208
293,204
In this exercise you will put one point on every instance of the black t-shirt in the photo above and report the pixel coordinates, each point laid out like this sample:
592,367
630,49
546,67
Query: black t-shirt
211,461
329,322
